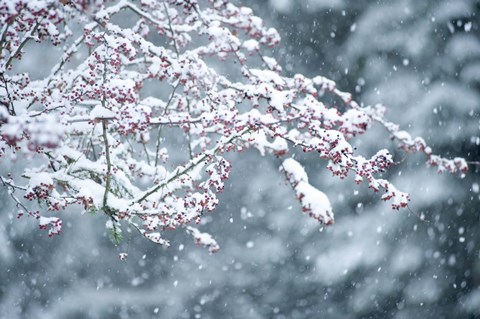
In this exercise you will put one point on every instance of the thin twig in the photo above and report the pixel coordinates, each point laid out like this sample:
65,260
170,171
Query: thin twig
20,47
67,55
107,148
11,192
109,164
189,136
171,29
11,109
193,163
146,152
4,35
159,135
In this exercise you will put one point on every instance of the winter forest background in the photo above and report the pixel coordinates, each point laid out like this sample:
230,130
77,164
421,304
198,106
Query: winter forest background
422,60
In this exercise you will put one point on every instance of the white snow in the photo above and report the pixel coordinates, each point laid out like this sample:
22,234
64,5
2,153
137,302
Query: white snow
313,201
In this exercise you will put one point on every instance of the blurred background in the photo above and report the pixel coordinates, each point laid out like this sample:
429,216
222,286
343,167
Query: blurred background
422,60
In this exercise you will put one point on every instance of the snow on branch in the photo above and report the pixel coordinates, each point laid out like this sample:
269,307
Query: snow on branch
313,201
204,239
98,134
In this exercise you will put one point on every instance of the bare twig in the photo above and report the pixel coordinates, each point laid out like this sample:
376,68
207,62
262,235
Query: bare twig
171,29
26,38
159,135
109,164
189,136
180,171
11,190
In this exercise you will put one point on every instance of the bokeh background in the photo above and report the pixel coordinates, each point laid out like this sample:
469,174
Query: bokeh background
422,60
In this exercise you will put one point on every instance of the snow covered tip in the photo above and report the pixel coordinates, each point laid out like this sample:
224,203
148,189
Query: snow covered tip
313,201
204,239
53,224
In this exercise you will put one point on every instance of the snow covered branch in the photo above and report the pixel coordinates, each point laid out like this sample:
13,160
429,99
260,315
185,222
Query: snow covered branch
89,128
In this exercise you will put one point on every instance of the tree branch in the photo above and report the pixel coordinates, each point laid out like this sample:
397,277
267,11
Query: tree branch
180,171
26,38
109,168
